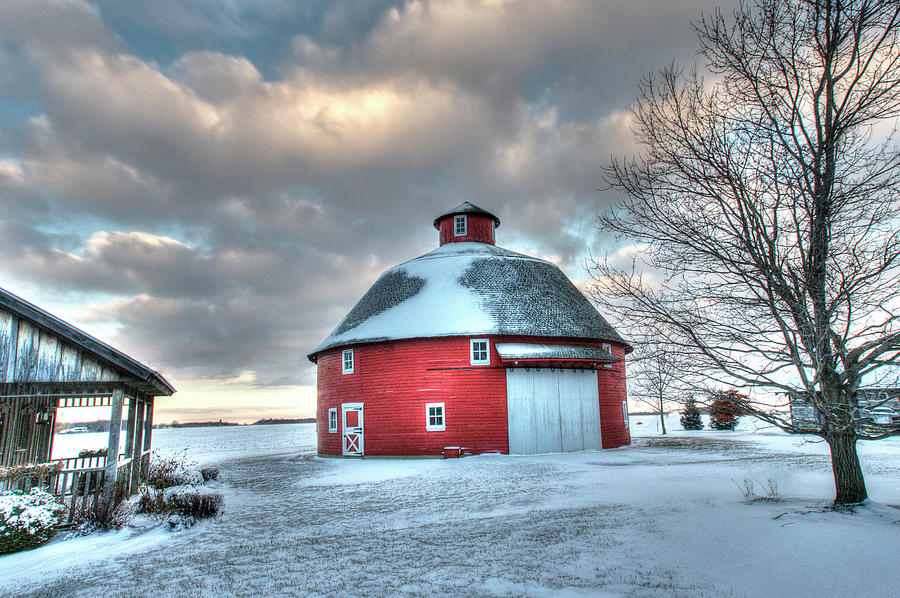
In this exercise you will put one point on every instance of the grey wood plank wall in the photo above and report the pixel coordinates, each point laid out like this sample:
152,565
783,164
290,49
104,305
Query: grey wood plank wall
29,354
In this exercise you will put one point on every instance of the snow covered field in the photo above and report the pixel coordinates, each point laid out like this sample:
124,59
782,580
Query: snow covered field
663,517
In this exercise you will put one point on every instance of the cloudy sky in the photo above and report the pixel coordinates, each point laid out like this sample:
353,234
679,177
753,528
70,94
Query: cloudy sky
211,185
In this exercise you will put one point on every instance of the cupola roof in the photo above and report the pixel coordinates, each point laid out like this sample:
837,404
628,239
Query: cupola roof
466,208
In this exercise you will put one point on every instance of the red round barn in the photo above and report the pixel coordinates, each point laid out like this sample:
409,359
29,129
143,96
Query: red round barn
471,348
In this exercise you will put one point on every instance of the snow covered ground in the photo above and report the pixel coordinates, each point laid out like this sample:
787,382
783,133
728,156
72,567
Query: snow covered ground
663,517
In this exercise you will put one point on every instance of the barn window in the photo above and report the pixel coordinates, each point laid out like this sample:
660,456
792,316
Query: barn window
332,419
459,226
434,417
625,412
608,348
480,355
348,361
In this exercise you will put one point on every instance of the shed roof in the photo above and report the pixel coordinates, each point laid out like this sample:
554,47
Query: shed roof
465,289
43,319
466,208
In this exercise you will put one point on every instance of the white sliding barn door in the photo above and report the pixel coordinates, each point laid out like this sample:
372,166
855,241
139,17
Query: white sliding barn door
552,411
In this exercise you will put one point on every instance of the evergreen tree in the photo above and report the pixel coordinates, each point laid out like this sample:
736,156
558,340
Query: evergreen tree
690,417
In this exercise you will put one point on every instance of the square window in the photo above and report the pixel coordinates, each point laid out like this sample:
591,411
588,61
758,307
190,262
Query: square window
348,361
479,352
625,412
459,226
608,348
332,419
434,417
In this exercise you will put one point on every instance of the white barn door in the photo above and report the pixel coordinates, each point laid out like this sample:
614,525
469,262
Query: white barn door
552,411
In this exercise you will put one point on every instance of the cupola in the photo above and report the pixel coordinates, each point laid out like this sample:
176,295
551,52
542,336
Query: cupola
466,223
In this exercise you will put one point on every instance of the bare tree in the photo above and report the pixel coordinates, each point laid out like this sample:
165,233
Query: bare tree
656,378
766,203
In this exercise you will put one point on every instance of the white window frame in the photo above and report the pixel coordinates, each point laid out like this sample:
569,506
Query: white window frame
608,348
487,350
625,412
332,420
435,427
457,220
344,361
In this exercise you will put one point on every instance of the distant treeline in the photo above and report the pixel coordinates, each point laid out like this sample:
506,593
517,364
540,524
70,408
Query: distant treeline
102,425
260,422
196,424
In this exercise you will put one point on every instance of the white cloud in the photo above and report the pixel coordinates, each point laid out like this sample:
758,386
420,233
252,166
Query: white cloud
229,212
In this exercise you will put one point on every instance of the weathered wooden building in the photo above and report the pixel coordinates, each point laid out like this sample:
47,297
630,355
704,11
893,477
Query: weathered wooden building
471,348
876,410
46,364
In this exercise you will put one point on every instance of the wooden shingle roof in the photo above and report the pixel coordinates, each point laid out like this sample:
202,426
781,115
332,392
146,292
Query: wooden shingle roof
464,289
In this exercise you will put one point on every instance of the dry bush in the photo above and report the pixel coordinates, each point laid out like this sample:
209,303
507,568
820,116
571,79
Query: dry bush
177,470
196,503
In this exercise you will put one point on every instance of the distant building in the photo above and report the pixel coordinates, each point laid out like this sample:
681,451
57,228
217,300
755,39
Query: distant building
874,408
471,348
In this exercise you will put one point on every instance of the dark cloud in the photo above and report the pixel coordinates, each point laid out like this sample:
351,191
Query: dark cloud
230,178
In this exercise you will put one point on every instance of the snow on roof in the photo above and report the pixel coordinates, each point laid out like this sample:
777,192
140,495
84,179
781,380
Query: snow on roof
539,351
465,289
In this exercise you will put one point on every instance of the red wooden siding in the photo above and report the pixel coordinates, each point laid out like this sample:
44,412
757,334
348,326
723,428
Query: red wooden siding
396,379
479,228
612,392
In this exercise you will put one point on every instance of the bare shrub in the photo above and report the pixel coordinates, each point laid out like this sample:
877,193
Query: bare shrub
196,503
102,513
746,487
186,502
152,501
177,470
771,488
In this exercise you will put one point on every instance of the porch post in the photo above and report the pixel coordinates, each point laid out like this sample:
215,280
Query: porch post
112,449
10,432
148,431
129,431
138,447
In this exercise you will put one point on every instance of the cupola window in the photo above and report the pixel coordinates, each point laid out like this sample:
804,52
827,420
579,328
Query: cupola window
459,225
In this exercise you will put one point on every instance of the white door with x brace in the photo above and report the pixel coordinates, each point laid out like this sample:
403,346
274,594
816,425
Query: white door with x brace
353,428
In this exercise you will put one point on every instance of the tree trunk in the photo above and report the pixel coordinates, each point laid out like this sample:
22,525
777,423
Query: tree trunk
849,485
662,421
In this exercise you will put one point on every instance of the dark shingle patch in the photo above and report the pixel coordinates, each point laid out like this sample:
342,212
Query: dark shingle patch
532,297
391,289
537,351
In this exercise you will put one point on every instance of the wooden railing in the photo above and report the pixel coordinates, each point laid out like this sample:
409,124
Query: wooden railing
79,488
79,484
